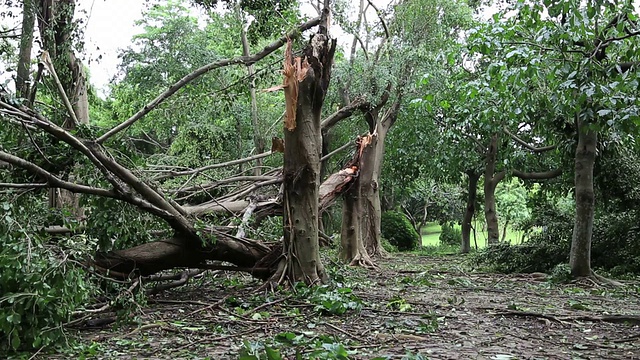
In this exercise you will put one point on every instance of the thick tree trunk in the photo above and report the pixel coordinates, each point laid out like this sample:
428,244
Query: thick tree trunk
580,256
470,211
177,252
303,146
491,180
26,42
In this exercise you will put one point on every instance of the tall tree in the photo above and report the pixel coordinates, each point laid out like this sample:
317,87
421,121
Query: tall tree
586,53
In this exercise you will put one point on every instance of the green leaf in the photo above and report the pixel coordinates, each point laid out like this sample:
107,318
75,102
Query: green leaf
272,354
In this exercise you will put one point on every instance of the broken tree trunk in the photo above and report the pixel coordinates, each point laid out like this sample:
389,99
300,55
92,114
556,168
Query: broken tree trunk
306,82
352,249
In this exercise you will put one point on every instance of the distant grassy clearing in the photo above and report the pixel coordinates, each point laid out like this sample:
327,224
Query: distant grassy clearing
431,234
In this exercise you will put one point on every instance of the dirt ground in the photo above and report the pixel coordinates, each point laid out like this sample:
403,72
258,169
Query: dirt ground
414,307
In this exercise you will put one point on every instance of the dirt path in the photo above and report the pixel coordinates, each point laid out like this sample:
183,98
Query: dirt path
430,306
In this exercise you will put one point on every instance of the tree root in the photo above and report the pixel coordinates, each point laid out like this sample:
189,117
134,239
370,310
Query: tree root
363,260
599,279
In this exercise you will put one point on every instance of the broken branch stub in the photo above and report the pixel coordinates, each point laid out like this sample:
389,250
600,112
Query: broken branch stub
294,71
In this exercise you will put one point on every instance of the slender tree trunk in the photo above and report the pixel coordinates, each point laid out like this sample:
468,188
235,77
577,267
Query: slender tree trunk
491,180
258,140
301,172
504,231
26,42
470,211
55,21
580,256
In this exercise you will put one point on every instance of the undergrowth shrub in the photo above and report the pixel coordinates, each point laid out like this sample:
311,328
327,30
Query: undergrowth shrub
396,228
450,235
615,246
40,284
388,247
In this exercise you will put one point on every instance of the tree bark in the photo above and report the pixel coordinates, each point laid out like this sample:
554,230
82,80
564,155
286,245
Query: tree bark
352,249
26,42
580,256
491,180
474,177
303,146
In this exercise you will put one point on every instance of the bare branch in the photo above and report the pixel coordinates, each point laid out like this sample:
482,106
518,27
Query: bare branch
245,60
345,146
343,113
65,99
527,145
24,186
379,13
214,166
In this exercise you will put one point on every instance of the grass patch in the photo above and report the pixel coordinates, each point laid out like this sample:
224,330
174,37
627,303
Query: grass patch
431,235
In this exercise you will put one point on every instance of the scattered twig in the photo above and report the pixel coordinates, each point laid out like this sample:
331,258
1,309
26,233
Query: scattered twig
345,332
211,341
265,305
627,339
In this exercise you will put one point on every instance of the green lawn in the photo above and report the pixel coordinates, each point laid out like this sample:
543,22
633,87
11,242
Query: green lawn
431,234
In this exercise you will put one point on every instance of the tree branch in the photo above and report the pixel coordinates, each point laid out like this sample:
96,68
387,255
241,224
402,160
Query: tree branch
214,166
545,175
53,181
245,60
343,113
527,145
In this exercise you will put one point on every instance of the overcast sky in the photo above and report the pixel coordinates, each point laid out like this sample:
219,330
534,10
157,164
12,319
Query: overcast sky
110,28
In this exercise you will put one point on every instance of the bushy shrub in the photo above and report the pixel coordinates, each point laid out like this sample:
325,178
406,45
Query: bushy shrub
450,235
397,229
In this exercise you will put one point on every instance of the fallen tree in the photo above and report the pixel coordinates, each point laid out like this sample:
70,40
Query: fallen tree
191,245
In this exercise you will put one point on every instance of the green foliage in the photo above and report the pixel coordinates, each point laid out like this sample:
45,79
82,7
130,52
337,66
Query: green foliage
450,235
561,273
40,284
397,229
388,247
330,300
511,200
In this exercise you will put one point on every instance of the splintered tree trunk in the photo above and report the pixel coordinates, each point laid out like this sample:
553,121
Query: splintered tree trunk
371,160
352,249
301,172
580,256
470,211
491,180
